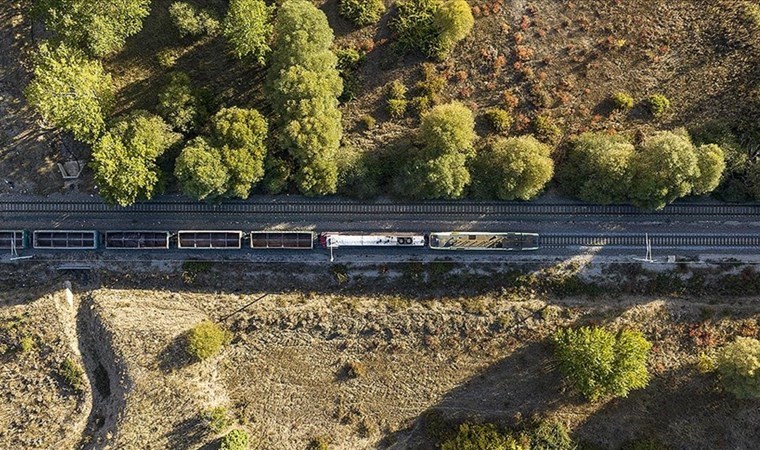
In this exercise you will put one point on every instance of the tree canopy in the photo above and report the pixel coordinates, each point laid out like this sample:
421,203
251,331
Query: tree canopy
70,91
124,158
512,168
303,86
100,27
200,170
181,105
597,168
711,164
739,367
248,28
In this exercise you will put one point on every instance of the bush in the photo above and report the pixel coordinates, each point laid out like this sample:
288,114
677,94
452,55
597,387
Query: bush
448,128
319,443
550,435
217,419
500,119
167,58
206,340
711,163
200,170
597,168
547,130
600,363
368,122
738,365
432,84
72,374
26,344
414,25
361,12
191,22
235,440
513,168
480,437
248,28
454,21
181,105
658,105
397,107
397,90
622,100
355,369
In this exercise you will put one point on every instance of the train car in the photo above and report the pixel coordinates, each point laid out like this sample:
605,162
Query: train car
335,240
12,239
203,239
65,239
284,240
473,240
136,240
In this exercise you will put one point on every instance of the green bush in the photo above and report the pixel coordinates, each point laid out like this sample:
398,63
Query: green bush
597,168
72,374
480,437
206,340
235,440
397,90
361,12
349,60
711,163
547,130
499,119
217,419
26,344
600,363
738,365
359,173
658,105
432,84
168,57
432,27
550,435
622,101
191,22
512,168
368,122
397,107
200,170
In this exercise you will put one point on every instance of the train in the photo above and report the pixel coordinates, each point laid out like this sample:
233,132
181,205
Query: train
15,240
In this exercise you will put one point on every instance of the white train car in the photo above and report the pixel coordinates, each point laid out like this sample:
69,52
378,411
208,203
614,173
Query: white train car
335,240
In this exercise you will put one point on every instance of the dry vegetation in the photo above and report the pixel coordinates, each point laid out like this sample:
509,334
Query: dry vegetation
362,368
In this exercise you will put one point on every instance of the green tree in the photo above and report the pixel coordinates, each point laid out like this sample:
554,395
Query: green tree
513,168
439,168
192,22
181,105
70,91
303,87
100,27
711,163
454,21
480,437
361,12
124,158
206,340
738,365
663,170
600,363
248,27
200,170
239,134
597,168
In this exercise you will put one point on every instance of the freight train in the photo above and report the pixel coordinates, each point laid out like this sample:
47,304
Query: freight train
15,240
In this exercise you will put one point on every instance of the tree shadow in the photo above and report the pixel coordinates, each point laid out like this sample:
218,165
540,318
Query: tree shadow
189,433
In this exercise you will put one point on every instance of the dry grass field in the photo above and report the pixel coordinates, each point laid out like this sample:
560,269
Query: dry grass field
361,368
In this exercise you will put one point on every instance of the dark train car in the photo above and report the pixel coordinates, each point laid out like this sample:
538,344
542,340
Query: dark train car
203,239
136,240
286,240
65,239
473,240
12,239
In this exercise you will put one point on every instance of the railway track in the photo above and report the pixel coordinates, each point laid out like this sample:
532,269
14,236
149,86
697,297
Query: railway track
333,207
549,240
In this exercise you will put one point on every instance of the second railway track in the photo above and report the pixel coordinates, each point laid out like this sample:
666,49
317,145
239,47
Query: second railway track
319,207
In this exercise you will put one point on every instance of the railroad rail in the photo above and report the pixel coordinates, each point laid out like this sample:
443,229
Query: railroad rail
550,240
339,207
